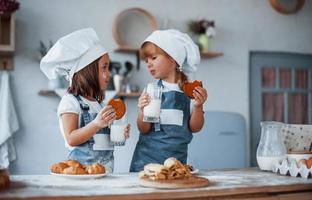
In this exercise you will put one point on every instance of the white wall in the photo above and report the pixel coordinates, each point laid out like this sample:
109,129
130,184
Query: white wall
242,26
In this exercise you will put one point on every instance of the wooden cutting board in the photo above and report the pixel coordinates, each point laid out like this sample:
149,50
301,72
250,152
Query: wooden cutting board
191,182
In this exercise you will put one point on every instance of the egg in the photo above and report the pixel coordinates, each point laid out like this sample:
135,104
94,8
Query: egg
302,162
309,163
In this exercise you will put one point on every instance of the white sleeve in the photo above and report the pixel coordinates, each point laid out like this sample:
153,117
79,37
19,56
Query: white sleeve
68,104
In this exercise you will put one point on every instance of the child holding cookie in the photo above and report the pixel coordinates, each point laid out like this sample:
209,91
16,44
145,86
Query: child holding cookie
169,55
83,118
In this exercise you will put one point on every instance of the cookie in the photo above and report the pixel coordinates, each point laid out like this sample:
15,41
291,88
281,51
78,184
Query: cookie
188,87
119,107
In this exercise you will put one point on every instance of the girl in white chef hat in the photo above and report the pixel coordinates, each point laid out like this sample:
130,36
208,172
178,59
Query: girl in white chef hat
81,112
169,55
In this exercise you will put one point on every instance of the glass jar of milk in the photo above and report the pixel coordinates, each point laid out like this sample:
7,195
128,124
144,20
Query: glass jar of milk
271,148
151,112
117,131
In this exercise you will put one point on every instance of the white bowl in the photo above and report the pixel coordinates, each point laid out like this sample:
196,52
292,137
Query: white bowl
298,156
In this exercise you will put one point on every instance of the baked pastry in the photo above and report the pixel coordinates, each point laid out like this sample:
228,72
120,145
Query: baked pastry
176,169
155,171
172,169
188,87
73,163
68,167
95,169
58,167
74,170
189,167
119,107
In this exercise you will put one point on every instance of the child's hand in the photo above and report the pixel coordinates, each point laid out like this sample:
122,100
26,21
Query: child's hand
144,100
200,96
127,131
105,117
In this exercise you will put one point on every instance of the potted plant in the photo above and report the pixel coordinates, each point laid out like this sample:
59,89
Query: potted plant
204,29
8,6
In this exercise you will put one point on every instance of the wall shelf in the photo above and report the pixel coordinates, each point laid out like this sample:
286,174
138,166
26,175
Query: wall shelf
118,95
210,54
131,94
130,50
127,49
7,33
47,93
7,41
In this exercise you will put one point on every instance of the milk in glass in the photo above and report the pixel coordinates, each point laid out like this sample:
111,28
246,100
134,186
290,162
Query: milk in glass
117,131
151,112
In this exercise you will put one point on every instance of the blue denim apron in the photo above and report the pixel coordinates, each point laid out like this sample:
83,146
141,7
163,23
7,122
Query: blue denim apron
84,152
165,140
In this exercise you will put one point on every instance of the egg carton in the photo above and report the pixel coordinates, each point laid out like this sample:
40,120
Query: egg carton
286,167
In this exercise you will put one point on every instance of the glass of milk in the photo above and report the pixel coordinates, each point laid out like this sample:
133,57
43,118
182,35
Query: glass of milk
271,148
151,112
117,131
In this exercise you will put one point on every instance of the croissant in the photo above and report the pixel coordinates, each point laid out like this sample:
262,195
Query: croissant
95,169
58,167
74,170
73,163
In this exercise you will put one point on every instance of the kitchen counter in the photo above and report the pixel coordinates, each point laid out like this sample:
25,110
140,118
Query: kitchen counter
246,184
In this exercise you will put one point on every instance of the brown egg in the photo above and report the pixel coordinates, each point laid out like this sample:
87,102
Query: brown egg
309,163
302,162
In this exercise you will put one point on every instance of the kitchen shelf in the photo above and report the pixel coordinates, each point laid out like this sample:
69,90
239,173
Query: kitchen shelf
118,95
127,49
47,93
7,33
130,50
210,54
7,41
131,94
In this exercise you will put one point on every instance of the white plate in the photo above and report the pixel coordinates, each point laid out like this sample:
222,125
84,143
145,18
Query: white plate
195,171
80,176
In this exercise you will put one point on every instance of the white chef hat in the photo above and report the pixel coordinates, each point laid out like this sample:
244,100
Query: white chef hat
72,53
179,46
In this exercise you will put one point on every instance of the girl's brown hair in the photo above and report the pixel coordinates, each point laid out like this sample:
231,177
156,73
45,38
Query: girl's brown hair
86,82
149,49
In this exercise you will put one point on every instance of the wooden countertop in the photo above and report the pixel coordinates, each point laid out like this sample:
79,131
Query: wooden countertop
224,184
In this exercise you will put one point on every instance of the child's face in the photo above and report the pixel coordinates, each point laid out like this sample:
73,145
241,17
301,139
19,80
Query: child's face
160,65
104,72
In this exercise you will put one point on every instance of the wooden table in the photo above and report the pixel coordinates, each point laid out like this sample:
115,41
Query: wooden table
225,184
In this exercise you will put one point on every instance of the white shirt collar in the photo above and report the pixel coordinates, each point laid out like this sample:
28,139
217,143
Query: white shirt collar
171,86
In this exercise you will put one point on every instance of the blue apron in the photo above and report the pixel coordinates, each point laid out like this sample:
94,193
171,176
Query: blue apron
165,140
84,152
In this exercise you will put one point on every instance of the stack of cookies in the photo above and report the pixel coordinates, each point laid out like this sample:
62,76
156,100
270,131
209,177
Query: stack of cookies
171,170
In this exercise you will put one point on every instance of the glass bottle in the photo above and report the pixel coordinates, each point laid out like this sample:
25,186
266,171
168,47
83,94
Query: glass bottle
271,148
